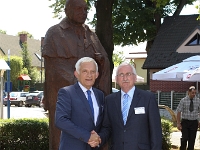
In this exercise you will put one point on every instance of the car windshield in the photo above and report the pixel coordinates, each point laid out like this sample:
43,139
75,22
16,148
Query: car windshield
33,94
13,94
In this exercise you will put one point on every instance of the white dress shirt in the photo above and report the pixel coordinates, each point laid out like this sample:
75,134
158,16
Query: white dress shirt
94,101
130,97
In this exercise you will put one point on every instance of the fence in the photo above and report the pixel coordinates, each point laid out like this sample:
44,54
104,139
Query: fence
168,102
170,99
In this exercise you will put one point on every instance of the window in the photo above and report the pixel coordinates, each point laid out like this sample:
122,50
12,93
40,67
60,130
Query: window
194,41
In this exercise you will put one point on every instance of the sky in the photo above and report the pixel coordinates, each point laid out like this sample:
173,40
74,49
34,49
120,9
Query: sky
36,17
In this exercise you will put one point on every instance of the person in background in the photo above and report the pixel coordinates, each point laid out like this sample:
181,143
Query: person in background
187,119
79,108
131,116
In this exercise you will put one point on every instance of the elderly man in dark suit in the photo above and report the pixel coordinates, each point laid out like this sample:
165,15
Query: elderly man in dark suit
131,115
79,108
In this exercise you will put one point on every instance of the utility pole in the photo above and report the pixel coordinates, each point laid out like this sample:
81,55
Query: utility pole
8,87
41,60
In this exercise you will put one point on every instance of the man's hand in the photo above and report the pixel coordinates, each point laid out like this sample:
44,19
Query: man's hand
94,140
179,126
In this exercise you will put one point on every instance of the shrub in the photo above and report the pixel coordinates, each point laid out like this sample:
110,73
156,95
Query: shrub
23,134
166,134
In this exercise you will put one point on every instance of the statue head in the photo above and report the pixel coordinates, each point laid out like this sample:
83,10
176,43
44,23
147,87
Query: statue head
76,11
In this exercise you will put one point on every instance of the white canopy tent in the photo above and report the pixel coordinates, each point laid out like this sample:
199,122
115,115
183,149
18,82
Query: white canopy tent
177,71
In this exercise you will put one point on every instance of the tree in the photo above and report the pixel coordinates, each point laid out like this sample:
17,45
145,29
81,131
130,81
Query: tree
25,32
2,31
128,22
16,65
118,58
25,57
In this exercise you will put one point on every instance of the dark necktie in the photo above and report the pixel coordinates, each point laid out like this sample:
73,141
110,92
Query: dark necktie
90,101
191,105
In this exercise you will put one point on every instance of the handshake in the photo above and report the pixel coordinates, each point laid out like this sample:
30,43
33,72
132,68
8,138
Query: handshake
94,140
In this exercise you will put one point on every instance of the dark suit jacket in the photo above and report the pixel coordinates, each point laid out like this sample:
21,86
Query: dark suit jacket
142,130
74,117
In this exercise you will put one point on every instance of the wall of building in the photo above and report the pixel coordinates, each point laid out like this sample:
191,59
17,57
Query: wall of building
167,86
138,66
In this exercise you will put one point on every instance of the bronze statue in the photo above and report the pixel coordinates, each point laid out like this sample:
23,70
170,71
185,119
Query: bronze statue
64,44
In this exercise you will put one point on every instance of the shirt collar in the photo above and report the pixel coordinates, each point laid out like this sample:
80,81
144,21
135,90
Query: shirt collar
83,88
130,92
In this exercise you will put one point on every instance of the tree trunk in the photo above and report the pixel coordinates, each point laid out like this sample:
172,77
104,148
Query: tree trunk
104,28
104,31
180,7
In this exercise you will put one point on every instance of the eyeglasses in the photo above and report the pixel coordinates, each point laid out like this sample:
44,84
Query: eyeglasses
126,74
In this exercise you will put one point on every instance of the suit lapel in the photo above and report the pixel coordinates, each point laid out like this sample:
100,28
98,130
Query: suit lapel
135,100
118,105
84,99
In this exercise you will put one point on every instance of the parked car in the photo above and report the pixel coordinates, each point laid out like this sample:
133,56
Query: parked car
42,103
16,98
33,98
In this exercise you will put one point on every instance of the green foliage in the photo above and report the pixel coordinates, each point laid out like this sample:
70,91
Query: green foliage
25,32
24,71
59,6
33,134
2,31
16,65
24,134
166,133
133,21
118,58
26,58
35,76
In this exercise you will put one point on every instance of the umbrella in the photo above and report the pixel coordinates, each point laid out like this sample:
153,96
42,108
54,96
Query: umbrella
181,71
175,72
193,76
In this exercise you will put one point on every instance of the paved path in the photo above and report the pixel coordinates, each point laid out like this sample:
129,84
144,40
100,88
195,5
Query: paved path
175,139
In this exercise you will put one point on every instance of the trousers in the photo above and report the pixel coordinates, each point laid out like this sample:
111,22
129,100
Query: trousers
189,131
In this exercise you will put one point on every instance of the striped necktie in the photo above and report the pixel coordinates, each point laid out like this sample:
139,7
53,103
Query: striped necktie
125,108
90,101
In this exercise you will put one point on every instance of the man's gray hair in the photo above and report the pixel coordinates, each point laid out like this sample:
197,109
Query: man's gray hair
125,64
85,59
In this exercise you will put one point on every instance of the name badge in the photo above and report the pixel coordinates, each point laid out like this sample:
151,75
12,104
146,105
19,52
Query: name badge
139,110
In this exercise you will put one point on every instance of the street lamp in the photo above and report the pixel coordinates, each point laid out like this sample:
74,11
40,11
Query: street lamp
3,66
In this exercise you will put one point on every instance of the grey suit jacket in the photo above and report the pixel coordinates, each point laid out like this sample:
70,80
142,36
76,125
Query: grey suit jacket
142,130
74,118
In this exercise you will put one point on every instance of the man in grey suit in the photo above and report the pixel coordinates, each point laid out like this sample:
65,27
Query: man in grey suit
131,116
79,108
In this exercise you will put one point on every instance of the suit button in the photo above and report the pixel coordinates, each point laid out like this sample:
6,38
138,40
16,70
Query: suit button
124,130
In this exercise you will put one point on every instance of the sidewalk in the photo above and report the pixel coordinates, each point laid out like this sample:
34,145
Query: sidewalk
175,139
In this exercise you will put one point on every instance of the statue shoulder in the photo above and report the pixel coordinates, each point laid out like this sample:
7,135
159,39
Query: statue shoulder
52,30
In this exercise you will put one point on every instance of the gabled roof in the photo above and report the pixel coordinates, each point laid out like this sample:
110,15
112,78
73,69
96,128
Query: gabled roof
172,33
12,42
24,77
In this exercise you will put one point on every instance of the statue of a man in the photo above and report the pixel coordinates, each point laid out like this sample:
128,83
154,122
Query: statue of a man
64,44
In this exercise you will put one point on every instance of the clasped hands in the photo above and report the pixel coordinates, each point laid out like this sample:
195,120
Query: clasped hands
94,140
